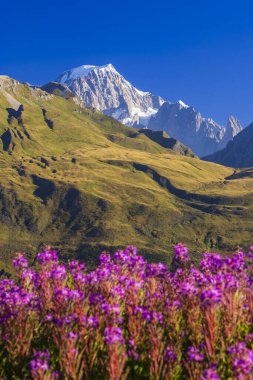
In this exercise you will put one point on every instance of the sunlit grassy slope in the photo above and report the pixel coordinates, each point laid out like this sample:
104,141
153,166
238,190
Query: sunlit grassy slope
76,178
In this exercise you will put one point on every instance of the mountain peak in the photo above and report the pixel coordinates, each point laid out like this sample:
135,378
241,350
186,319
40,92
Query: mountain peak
81,72
104,88
234,125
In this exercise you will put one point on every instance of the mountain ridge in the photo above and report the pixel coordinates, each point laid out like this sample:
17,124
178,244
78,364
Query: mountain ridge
104,88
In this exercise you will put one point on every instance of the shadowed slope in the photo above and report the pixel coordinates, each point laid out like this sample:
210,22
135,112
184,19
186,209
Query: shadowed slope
238,152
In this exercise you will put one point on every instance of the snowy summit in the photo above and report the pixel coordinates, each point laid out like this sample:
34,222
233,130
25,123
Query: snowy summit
105,89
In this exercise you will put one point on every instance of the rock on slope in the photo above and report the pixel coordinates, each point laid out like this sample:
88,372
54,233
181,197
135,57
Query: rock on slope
162,138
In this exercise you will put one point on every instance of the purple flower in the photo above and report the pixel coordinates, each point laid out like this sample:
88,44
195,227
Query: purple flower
156,269
170,355
250,255
93,322
59,272
96,299
75,266
29,274
194,355
242,360
106,308
39,364
113,336
72,336
236,262
157,316
146,314
211,373
47,256
20,261
181,255
211,296
211,262
188,289
117,291
175,305
104,258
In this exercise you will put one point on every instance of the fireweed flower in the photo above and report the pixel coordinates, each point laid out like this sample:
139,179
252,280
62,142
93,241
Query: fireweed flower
28,274
75,265
170,355
96,299
242,360
188,289
40,365
236,262
93,322
127,306
113,336
158,317
59,272
211,373
250,255
211,296
104,258
181,254
72,335
211,262
47,256
156,269
117,291
20,261
194,355
40,362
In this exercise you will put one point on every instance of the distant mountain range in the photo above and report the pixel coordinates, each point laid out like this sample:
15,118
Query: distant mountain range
203,136
105,89
238,153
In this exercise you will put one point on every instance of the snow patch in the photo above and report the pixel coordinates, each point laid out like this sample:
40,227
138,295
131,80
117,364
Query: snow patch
183,104
82,72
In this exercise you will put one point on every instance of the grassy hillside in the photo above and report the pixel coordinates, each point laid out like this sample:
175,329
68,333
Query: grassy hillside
77,179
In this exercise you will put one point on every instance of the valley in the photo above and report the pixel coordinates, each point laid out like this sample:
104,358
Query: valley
80,181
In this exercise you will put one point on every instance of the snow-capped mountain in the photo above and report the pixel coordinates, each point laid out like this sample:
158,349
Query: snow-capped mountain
238,152
103,88
202,135
232,129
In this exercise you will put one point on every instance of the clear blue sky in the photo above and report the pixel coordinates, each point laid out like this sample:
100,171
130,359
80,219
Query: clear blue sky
200,51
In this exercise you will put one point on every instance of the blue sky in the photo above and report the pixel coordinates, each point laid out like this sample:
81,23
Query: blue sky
200,51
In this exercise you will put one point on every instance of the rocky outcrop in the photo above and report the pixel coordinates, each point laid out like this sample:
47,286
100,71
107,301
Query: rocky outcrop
163,139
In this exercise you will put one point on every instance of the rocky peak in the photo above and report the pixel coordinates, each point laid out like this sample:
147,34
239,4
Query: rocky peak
187,125
233,127
105,89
